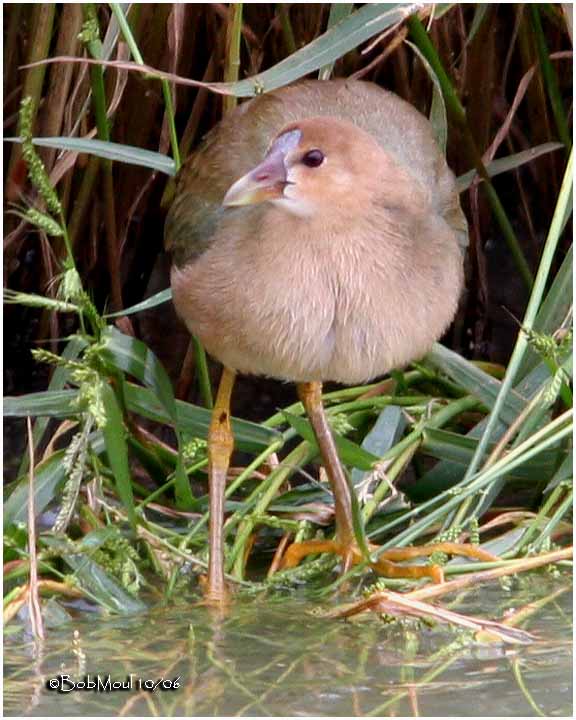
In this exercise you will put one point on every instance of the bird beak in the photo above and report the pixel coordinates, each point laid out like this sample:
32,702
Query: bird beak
265,182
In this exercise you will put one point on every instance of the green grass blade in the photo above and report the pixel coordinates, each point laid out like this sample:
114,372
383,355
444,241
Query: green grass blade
102,586
508,163
124,26
550,78
386,432
531,312
553,310
477,20
108,151
448,473
475,381
132,356
50,403
114,434
48,480
153,301
99,584
563,474
458,113
446,445
59,378
348,34
438,117
338,11
443,504
195,421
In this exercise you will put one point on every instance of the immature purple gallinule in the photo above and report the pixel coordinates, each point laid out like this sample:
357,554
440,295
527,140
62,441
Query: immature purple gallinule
316,235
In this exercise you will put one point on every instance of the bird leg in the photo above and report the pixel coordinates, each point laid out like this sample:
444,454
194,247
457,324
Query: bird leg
220,446
344,543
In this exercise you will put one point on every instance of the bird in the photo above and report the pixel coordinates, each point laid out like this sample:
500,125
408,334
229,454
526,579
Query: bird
316,235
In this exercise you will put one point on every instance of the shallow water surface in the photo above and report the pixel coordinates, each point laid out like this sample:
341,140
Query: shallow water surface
276,657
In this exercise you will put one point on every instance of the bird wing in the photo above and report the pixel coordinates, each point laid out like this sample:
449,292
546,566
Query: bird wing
227,152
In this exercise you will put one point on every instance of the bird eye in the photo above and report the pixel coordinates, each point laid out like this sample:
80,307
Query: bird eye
313,158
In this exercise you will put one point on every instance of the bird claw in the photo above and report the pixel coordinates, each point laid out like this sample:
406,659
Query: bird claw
386,563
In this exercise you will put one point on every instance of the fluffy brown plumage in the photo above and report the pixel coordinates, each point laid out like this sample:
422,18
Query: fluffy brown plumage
352,269
316,236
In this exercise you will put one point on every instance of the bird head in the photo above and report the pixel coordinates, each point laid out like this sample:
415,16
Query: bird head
311,166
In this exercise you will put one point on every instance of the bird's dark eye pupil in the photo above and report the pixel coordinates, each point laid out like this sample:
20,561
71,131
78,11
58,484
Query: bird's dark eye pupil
313,158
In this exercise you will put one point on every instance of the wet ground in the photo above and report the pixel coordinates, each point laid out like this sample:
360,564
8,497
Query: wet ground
277,657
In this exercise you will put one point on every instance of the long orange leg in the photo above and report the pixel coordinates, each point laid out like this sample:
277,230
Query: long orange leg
220,446
311,396
344,543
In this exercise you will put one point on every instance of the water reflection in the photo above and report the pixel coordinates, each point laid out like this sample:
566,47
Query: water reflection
273,657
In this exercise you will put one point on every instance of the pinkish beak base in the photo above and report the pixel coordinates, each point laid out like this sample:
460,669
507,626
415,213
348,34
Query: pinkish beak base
265,182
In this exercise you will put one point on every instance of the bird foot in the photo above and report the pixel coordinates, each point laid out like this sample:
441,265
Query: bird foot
219,597
386,563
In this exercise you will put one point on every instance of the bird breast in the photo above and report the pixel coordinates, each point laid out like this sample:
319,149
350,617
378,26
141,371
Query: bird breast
299,304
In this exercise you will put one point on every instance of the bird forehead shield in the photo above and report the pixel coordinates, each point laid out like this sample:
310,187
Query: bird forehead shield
287,142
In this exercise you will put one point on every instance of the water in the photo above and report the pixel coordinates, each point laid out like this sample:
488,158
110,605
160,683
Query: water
276,657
